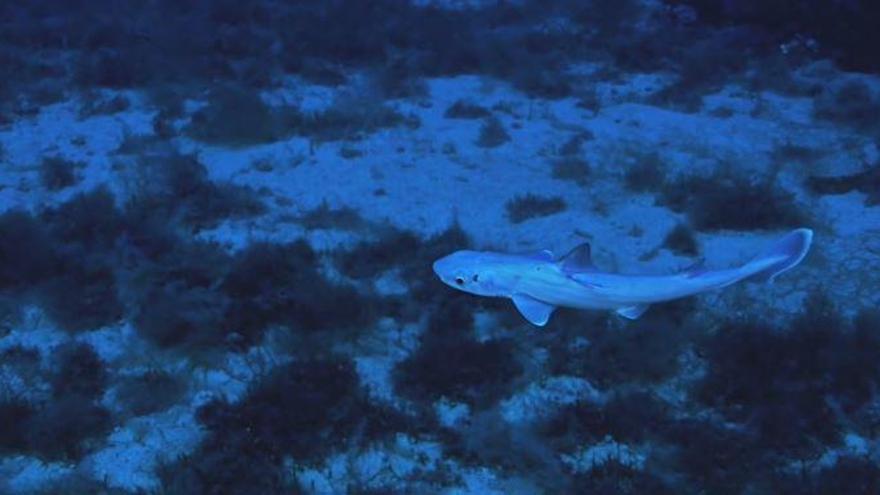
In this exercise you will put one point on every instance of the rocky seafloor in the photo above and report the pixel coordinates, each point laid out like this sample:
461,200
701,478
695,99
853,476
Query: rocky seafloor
218,224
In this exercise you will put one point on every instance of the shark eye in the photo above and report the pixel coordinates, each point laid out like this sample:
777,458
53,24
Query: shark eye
459,280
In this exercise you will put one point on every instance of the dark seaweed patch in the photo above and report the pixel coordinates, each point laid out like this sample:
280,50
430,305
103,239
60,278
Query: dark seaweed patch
176,187
867,182
112,68
225,465
57,173
852,104
13,414
522,208
725,201
347,119
572,169
779,381
65,426
78,371
82,295
629,417
407,252
815,19
488,439
716,457
325,217
236,117
696,78
62,428
462,109
303,410
176,315
616,477
369,259
646,351
646,175
450,363
96,105
573,146
680,240
87,223
27,256
149,392
279,284
492,133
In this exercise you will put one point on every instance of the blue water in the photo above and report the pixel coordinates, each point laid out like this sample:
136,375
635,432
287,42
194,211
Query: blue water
218,222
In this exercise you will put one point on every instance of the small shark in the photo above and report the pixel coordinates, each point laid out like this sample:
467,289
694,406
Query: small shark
539,283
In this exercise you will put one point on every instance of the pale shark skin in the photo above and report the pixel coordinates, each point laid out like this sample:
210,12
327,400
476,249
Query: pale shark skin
540,283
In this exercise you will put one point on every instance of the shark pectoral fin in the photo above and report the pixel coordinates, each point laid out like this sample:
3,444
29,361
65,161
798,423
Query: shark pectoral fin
537,312
633,312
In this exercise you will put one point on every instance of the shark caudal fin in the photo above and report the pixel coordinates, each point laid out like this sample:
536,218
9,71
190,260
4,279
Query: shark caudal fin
786,253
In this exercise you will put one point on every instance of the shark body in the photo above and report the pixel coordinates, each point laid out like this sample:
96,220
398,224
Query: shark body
539,283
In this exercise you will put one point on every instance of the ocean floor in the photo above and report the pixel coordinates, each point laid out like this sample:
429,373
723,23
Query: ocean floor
426,391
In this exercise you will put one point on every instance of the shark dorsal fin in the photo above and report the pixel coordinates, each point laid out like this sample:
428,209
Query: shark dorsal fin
579,259
695,269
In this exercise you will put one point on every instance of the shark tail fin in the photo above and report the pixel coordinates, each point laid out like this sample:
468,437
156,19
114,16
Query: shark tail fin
786,253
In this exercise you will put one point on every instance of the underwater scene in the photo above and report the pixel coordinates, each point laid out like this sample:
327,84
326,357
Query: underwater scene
440,247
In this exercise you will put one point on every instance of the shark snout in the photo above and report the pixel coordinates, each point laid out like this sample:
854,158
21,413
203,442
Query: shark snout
455,269
444,267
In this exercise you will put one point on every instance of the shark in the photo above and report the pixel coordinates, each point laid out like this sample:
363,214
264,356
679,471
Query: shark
538,283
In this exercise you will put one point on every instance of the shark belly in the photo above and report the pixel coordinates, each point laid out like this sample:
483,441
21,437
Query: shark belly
609,291
618,291
557,289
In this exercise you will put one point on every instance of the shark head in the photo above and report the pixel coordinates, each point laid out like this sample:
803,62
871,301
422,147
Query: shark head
473,272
